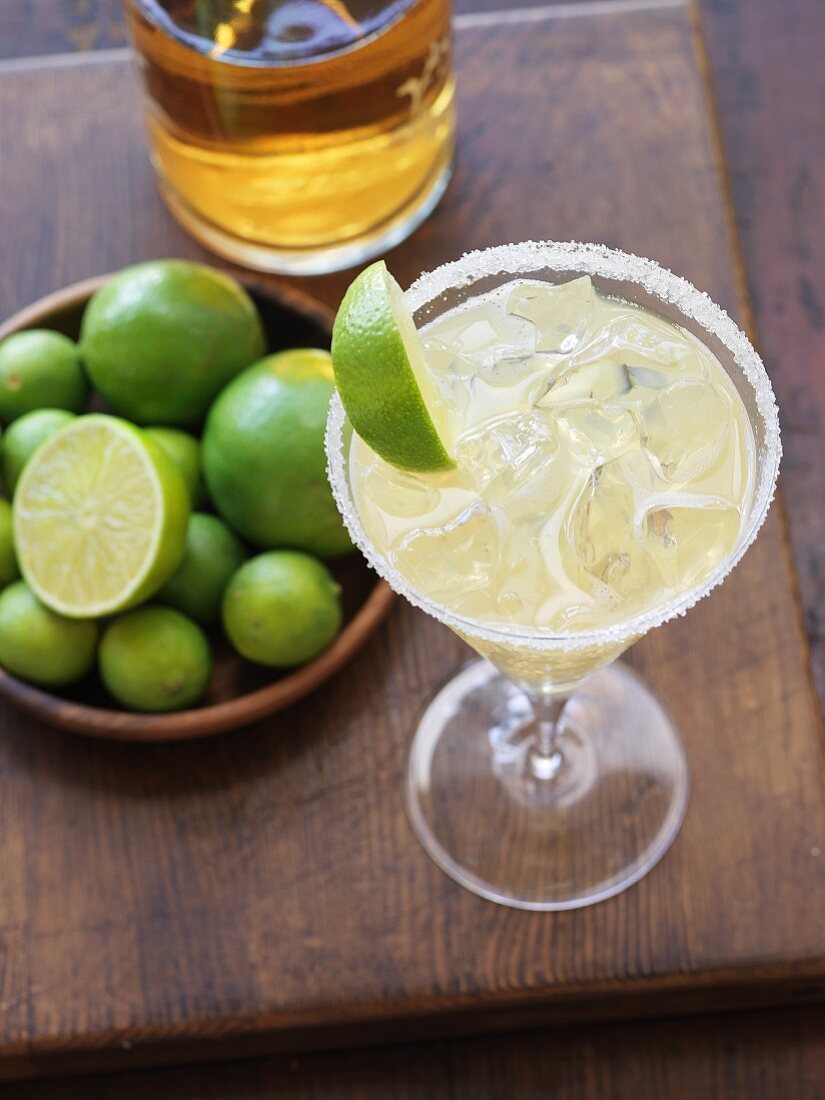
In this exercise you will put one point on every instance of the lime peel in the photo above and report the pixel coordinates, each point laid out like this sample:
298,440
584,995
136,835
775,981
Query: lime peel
390,398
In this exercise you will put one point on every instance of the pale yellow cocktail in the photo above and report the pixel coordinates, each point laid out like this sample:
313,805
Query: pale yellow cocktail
604,462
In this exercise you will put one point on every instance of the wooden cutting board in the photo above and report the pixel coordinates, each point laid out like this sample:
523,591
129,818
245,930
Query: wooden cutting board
263,890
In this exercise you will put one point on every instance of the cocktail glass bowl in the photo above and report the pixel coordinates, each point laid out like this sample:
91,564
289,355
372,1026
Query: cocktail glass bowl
546,776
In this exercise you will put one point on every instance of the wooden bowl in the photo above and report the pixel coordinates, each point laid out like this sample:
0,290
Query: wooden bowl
239,692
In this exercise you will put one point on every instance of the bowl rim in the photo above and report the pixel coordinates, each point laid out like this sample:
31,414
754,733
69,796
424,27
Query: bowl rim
121,725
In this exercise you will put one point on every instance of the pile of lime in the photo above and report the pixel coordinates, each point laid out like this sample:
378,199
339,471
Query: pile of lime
197,500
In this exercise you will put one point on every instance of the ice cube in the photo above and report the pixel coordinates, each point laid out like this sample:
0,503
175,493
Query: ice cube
445,361
647,378
398,492
395,501
600,381
645,336
638,546
685,429
476,336
507,451
506,371
536,494
507,383
642,342
448,562
523,581
612,560
452,375
596,433
639,473
561,312
687,540
559,616
482,334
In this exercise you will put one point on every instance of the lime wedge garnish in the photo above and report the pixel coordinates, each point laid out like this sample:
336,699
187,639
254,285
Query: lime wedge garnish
100,516
390,399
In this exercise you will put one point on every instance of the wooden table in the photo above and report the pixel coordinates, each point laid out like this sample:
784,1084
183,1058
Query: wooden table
731,917
746,1056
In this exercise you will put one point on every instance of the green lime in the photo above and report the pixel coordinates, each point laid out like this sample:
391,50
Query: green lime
39,645
9,570
38,369
161,338
100,516
282,608
23,438
185,452
155,659
213,553
263,455
391,400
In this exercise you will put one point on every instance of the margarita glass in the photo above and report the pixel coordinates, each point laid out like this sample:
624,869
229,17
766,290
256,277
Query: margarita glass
545,776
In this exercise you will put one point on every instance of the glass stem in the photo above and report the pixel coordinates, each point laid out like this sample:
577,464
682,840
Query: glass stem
545,756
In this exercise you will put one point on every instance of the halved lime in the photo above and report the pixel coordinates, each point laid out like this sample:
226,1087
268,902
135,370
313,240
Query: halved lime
100,515
391,400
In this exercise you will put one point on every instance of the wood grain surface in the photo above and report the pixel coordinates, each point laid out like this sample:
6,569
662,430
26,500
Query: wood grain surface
31,28
769,79
264,889
750,1056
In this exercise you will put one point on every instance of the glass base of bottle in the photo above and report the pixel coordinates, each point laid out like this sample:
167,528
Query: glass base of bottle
319,260
546,830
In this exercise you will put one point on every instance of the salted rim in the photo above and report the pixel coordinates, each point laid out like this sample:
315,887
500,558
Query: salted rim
591,259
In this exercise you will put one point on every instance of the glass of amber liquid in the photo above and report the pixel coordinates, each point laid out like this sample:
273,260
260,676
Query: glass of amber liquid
298,136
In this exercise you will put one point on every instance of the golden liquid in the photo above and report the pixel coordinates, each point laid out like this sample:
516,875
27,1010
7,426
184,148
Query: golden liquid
296,124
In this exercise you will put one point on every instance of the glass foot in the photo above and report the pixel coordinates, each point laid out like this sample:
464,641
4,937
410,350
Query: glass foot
538,830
